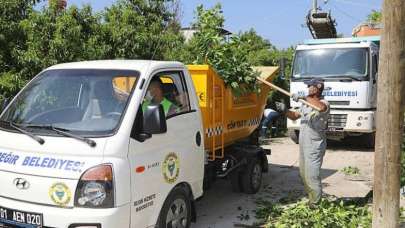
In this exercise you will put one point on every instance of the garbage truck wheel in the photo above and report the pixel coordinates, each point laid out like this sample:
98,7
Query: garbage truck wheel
252,176
176,211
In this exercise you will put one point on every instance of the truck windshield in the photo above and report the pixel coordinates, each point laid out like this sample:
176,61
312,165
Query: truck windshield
331,62
84,102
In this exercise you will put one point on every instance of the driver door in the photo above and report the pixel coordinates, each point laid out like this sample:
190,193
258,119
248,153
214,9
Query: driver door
159,163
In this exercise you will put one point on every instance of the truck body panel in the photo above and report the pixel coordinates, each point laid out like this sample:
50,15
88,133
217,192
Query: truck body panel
226,118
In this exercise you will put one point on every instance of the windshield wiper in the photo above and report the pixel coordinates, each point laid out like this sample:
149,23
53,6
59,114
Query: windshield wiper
64,132
18,128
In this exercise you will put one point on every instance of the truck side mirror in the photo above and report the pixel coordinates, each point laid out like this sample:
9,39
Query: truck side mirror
154,121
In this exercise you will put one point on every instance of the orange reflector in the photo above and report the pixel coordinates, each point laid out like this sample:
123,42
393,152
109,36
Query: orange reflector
140,169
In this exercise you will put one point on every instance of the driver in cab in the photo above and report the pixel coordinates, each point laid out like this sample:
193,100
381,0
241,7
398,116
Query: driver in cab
155,96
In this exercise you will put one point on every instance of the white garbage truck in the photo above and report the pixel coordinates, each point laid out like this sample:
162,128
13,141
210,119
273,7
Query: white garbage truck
124,143
349,69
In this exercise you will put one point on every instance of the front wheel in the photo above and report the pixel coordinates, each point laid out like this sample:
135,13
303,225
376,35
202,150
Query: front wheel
176,211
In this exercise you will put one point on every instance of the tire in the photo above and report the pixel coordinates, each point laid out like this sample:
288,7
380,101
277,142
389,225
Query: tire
294,135
252,176
236,181
176,211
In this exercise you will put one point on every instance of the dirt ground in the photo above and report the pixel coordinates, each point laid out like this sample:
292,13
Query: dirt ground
221,208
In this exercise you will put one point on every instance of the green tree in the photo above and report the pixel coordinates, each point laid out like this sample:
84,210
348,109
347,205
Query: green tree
141,29
60,36
12,40
31,40
260,50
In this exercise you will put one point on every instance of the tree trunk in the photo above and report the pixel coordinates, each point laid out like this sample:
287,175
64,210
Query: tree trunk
390,111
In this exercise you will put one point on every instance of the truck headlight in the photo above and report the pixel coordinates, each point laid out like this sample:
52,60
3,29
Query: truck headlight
95,188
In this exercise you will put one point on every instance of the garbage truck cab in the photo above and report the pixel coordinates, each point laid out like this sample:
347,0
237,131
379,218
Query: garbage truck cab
349,68
77,150
124,143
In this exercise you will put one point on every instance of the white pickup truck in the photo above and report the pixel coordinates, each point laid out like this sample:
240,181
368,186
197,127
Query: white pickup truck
82,145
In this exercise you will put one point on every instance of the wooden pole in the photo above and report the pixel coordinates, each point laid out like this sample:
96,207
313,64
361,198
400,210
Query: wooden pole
288,93
390,116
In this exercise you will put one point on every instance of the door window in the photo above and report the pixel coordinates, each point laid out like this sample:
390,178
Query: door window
168,89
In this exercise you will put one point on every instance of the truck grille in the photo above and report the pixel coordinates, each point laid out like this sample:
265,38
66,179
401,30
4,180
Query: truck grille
339,102
337,120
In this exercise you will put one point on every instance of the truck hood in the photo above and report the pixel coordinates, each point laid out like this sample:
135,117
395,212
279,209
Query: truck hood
341,95
45,174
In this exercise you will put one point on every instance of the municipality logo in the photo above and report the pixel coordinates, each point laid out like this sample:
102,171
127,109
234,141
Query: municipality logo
171,168
60,194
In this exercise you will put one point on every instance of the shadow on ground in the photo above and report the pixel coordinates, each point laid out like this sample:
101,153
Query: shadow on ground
349,144
221,207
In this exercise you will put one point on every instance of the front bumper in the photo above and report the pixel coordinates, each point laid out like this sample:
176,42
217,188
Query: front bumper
354,122
65,217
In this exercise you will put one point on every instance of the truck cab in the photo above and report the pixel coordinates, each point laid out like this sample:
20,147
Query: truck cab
82,145
349,69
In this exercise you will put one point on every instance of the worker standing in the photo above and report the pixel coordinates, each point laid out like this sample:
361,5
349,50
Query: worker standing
312,138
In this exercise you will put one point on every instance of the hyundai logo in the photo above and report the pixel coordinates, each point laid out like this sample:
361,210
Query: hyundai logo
21,183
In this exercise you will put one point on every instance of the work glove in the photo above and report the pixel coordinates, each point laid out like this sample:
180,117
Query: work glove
296,97
281,107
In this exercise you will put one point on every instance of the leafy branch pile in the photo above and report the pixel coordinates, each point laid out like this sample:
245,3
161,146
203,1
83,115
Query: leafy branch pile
326,214
228,57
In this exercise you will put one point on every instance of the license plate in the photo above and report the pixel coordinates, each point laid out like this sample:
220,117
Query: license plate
17,218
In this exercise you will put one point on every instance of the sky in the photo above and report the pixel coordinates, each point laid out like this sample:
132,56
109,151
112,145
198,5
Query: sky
282,22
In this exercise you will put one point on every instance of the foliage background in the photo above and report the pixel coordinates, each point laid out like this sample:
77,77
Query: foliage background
33,39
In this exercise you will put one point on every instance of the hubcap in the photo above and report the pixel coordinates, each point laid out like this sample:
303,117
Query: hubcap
257,176
177,214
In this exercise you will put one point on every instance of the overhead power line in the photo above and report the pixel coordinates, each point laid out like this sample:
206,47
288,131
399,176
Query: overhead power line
345,13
